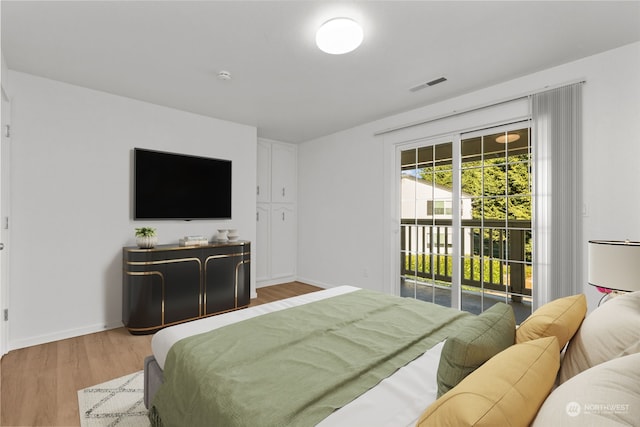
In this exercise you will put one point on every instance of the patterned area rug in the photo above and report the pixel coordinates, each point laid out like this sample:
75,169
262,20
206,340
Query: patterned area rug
117,402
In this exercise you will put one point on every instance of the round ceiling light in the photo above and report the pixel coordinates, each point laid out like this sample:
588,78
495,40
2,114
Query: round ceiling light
339,35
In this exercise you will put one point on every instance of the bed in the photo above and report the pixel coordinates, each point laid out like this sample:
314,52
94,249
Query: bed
436,366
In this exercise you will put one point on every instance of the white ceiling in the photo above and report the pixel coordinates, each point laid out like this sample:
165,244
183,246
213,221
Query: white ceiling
169,53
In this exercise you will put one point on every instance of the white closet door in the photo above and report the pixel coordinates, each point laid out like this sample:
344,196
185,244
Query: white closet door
263,186
283,241
263,242
283,174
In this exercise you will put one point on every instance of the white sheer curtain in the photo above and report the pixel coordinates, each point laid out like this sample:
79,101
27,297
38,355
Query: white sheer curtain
557,221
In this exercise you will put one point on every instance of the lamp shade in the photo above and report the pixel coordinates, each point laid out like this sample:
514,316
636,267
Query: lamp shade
614,265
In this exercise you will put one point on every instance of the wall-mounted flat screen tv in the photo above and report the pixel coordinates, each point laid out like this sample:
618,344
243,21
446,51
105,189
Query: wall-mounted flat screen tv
179,186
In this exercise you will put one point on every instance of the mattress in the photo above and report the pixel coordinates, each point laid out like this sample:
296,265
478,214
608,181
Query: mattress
398,400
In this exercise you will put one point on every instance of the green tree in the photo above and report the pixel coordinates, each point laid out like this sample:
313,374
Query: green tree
495,182
503,185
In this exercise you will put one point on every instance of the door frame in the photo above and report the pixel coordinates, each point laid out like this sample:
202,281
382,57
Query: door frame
4,219
454,139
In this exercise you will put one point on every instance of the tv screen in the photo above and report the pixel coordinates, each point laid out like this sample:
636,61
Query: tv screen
179,186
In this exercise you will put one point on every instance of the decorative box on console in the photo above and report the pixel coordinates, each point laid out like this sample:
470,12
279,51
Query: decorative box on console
193,241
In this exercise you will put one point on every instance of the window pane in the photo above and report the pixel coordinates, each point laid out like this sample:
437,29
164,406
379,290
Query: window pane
466,207
495,181
407,158
492,149
519,208
471,149
477,204
518,181
444,154
425,155
516,245
494,208
471,182
443,180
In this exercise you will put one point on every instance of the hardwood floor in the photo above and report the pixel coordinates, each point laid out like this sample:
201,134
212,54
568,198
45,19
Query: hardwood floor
40,383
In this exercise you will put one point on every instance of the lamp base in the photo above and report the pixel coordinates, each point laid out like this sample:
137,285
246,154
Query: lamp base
611,294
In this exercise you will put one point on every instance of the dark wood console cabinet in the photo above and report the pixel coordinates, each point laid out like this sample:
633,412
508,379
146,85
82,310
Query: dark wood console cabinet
171,284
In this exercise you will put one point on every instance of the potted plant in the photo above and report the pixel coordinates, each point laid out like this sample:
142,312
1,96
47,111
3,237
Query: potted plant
146,237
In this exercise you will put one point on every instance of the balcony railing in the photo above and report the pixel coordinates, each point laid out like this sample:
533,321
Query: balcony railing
493,256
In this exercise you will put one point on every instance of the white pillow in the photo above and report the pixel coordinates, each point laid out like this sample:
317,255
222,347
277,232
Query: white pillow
605,395
611,330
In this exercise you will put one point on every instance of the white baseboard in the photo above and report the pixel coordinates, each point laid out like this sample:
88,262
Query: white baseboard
276,281
333,285
62,335
281,280
316,283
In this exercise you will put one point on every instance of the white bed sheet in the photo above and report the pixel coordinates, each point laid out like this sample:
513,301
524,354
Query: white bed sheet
397,401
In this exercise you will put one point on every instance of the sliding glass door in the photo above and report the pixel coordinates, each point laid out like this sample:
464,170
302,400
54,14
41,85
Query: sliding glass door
496,252
466,235
427,239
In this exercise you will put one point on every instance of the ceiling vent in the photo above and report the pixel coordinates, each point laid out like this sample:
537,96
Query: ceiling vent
431,83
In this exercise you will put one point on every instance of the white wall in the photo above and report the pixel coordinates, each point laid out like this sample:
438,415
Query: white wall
345,221
71,199
340,206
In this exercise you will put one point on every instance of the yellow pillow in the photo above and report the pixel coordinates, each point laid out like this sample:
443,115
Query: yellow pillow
560,318
507,390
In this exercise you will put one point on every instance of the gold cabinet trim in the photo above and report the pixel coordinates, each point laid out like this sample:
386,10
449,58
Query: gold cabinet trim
237,254
173,261
204,280
164,248
165,261
244,261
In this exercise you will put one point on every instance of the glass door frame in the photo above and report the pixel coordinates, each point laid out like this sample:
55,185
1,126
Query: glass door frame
454,139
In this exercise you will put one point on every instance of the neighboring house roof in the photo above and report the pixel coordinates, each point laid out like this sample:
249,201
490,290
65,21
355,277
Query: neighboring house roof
420,181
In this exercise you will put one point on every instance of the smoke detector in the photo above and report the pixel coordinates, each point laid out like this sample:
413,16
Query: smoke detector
224,75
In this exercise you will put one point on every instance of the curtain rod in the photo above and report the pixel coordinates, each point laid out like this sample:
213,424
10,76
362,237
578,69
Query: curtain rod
476,108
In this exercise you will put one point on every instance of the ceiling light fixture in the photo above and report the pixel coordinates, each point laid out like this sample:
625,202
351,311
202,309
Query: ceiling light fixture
507,138
339,35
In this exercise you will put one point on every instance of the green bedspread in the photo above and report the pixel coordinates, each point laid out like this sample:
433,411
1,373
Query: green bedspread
296,366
